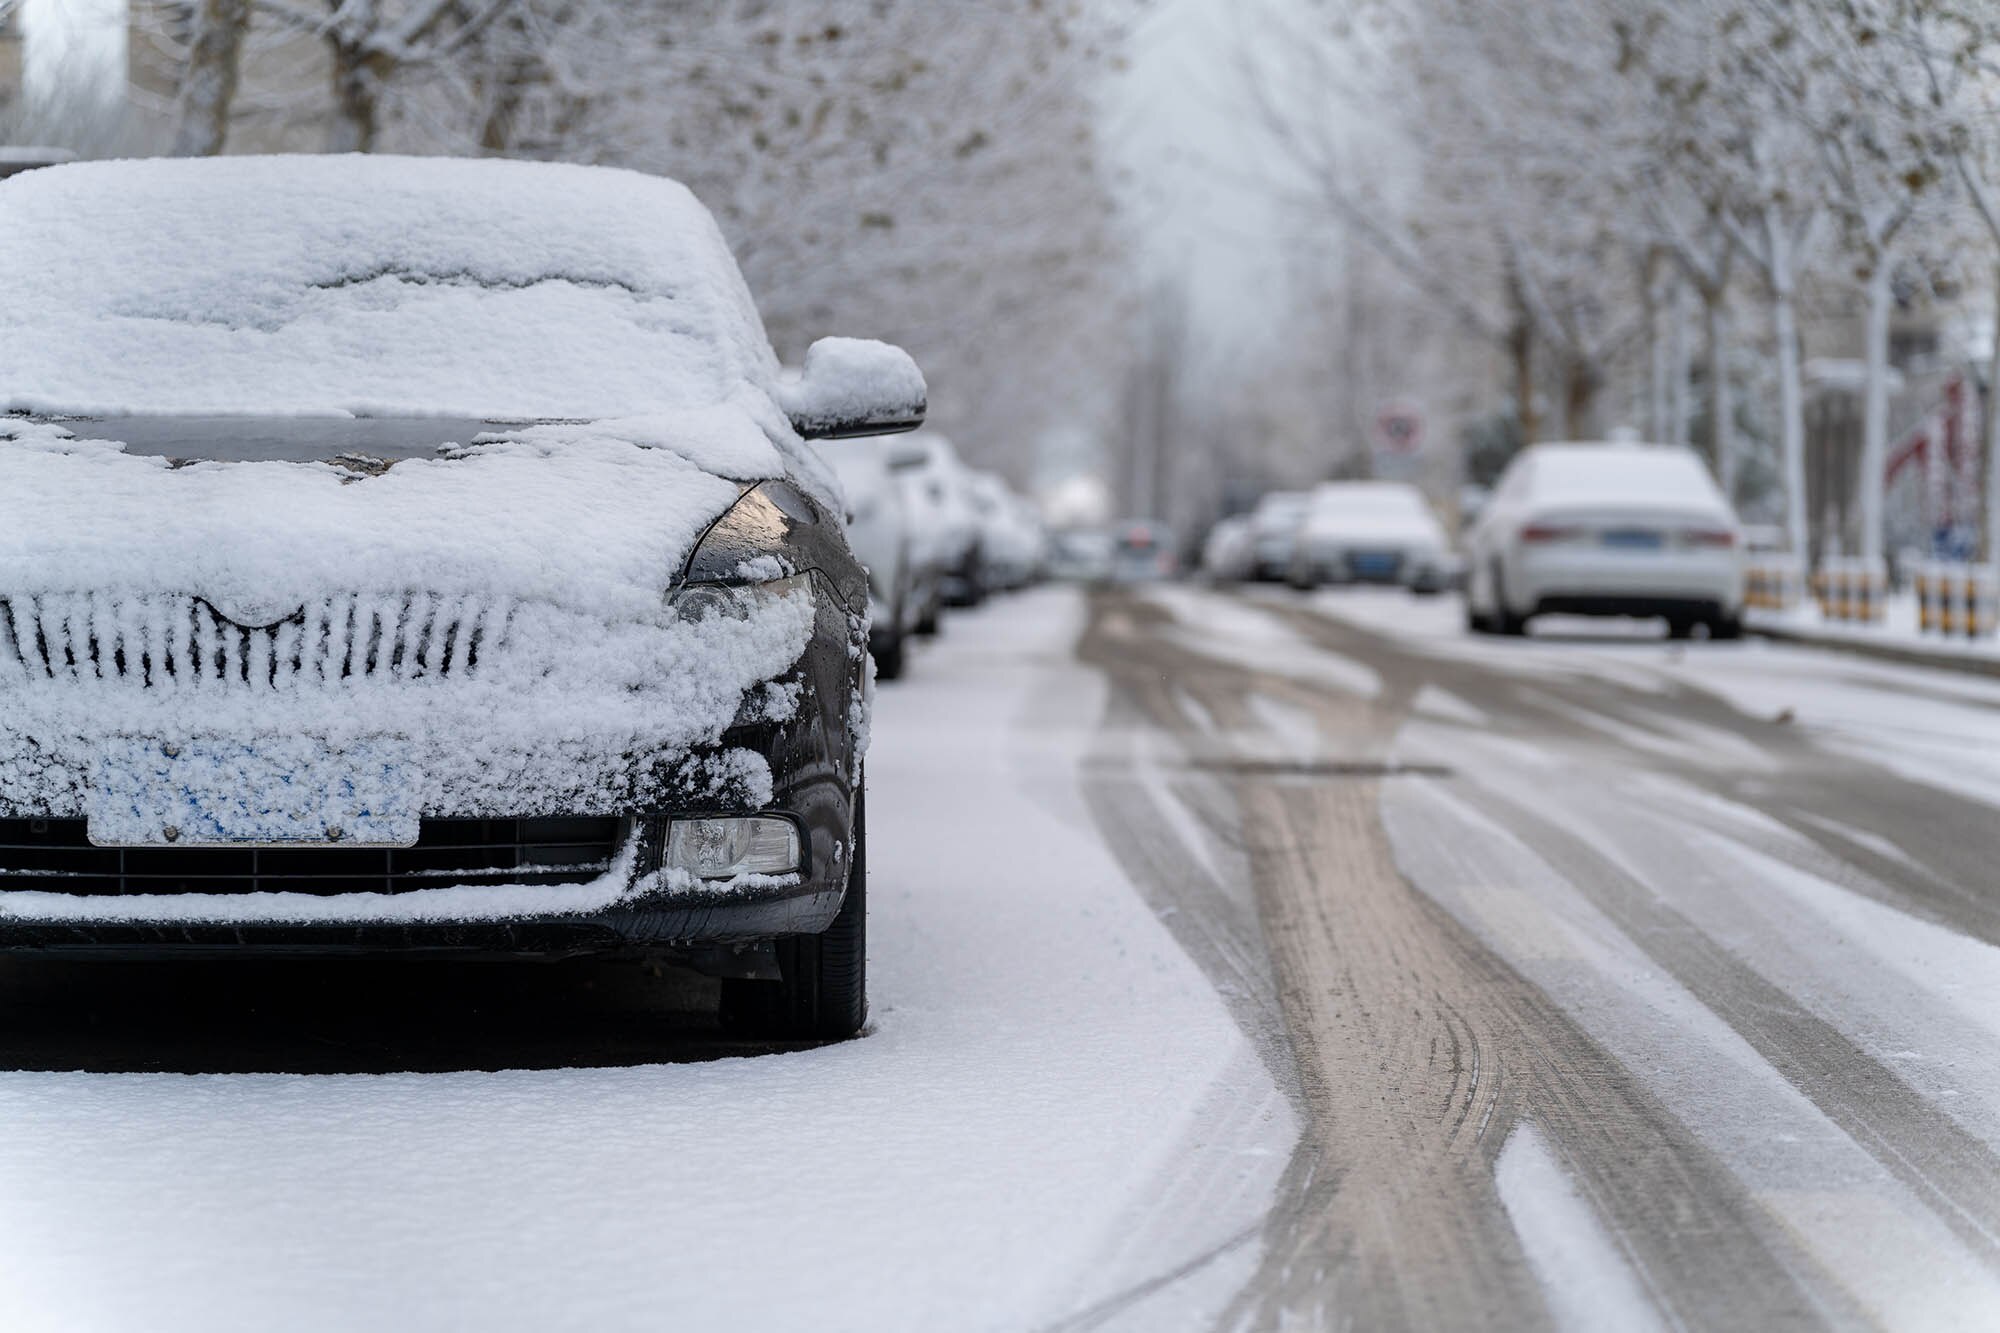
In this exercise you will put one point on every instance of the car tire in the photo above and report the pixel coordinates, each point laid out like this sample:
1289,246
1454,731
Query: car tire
1680,627
927,624
888,658
1725,627
1504,620
1475,621
823,994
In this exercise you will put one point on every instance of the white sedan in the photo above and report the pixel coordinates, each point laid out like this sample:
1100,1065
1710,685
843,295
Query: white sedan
1606,530
1370,532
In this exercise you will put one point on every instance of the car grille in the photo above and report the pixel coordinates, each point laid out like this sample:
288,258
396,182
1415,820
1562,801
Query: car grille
55,856
167,642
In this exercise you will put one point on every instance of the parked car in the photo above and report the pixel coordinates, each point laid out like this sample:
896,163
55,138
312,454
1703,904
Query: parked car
882,537
1081,555
1371,532
1144,551
948,529
1229,552
15,159
417,555
1010,533
1606,529
1275,525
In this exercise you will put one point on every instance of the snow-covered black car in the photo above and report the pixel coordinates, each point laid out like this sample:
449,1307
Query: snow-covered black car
405,555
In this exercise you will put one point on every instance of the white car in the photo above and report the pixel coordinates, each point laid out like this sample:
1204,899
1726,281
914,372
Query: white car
1010,533
882,536
947,529
1229,553
1370,532
1606,530
1274,526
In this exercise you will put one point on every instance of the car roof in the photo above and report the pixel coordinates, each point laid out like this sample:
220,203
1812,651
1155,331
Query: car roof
370,284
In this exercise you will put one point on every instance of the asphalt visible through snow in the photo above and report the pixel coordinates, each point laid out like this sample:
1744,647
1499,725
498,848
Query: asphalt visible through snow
1620,984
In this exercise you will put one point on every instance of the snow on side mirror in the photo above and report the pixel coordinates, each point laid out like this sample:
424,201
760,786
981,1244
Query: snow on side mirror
854,386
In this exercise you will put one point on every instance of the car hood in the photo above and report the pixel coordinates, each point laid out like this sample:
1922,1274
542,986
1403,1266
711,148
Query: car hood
260,516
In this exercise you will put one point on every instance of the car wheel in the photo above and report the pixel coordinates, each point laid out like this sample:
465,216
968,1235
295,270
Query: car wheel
927,624
1475,622
1726,627
1680,627
888,653
824,992
1504,619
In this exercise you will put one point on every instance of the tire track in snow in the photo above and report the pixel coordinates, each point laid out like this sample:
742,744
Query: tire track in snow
1419,1050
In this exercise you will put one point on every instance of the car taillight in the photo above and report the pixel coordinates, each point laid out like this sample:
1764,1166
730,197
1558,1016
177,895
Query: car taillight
1542,534
1721,537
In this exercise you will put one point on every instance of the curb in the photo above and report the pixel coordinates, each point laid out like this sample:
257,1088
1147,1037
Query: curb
1901,654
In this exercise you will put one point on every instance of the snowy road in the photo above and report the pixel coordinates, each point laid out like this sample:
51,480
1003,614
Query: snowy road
1239,961
1632,985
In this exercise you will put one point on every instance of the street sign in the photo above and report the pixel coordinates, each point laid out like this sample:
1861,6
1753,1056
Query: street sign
1399,428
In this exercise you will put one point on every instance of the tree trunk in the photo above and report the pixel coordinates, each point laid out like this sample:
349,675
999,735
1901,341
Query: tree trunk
1990,460
1792,417
1580,385
1721,420
1875,410
1659,401
208,86
1677,386
357,96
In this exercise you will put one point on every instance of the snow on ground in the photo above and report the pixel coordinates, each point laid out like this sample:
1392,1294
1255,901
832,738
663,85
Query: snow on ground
1217,625
1928,725
1045,1077
1588,1282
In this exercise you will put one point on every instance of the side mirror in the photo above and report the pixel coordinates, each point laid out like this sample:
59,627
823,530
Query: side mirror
854,386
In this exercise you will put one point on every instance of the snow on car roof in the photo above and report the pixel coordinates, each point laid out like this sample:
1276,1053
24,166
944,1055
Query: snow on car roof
1583,474
1371,497
375,285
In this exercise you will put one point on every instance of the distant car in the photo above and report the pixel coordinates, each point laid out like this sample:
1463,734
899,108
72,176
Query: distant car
1010,533
1274,524
945,532
1606,530
883,538
1143,551
15,160
437,568
1081,555
1371,532
1229,552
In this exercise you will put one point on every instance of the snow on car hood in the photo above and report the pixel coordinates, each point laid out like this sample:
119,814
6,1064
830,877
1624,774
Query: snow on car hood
501,611
597,517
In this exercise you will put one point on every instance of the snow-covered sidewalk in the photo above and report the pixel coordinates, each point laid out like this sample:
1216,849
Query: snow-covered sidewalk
1896,639
1044,1067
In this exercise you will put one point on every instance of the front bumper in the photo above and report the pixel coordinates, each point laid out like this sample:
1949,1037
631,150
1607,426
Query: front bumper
793,751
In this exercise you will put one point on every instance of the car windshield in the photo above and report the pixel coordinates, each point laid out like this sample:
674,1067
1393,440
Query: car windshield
373,286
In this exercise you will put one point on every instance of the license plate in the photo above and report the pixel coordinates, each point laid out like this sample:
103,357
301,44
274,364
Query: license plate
286,792
1374,564
1634,540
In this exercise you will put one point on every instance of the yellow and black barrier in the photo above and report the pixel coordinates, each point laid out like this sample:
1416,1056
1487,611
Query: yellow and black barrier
1773,583
1956,599
1849,588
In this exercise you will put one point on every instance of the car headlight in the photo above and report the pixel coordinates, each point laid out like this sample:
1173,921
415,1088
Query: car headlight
696,603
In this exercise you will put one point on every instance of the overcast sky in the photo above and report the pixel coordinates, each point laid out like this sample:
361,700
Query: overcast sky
1193,163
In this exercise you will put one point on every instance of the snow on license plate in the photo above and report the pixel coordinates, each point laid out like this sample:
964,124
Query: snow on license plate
146,793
